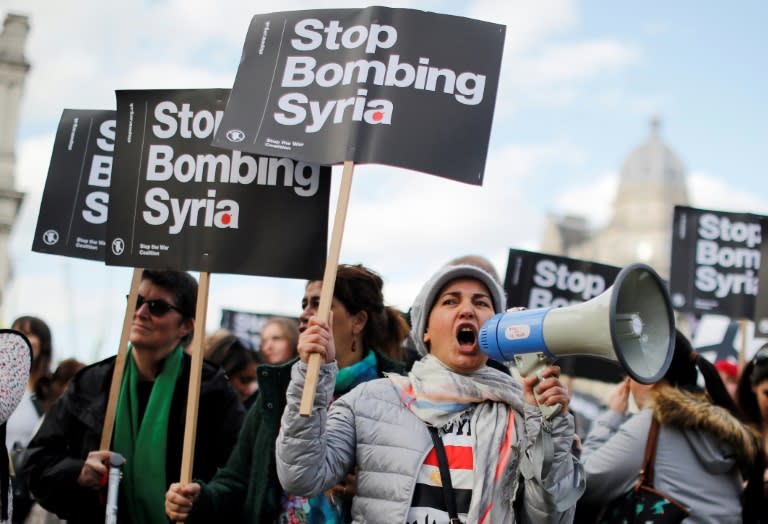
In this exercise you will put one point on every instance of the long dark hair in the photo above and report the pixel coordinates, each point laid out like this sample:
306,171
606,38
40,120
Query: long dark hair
755,372
682,374
41,363
231,355
360,289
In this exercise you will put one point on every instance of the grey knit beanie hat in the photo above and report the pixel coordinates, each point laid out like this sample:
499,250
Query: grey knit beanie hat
428,294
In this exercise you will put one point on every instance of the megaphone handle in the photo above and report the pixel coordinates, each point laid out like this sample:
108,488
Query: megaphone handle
535,363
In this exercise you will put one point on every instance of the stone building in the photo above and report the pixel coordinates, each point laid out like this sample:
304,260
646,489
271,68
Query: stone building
13,71
651,182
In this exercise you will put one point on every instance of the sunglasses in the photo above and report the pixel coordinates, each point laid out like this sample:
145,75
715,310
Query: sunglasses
157,308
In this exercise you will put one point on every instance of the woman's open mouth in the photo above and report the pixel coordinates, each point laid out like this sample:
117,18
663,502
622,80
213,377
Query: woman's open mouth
466,336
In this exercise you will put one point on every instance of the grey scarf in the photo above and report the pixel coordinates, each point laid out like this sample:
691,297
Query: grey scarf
439,396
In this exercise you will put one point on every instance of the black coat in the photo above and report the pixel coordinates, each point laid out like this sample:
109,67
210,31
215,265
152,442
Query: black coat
72,428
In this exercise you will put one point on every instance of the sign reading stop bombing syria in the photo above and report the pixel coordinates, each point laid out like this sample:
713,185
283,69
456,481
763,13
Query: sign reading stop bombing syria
715,261
539,280
188,205
399,87
74,209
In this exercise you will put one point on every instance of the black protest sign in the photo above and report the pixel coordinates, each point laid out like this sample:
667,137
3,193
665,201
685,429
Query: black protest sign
73,211
187,205
536,280
398,87
761,301
246,325
715,261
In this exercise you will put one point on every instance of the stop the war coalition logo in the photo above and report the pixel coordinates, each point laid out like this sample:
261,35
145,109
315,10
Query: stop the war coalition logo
368,85
190,205
75,204
715,261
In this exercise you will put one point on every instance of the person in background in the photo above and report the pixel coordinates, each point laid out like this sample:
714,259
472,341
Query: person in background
37,399
479,261
368,337
239,362
64,372
498,446
752,395
15,364
66,467
703,454
729,374
279,337
213,338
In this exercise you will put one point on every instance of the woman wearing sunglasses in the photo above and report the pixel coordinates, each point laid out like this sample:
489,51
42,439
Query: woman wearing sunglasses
66,469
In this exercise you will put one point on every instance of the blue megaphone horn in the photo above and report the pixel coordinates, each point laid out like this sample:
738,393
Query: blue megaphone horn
631,322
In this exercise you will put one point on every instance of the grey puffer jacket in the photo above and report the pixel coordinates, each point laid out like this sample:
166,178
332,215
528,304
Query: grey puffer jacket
371,428
699,450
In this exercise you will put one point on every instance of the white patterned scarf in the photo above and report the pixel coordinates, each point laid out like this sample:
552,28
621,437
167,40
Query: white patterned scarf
438,396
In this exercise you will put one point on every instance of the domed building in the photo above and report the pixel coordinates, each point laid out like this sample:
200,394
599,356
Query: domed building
651,183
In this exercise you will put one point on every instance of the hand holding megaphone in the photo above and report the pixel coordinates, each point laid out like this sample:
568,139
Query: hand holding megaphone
631,322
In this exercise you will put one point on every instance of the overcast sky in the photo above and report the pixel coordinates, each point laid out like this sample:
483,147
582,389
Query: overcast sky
580,84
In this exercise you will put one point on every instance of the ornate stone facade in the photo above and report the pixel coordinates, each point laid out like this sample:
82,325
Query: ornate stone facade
13,71
651,182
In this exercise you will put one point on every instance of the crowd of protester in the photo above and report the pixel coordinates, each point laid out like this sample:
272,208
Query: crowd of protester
411,422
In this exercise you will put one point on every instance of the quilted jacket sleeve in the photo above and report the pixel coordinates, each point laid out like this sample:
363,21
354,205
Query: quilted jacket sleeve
554,477
613,454
314,453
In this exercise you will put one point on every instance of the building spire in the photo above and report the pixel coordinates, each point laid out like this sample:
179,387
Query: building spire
655,126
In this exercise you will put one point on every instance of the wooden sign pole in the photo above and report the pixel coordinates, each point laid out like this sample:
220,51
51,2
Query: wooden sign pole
195,379
122,352
743,344
329,281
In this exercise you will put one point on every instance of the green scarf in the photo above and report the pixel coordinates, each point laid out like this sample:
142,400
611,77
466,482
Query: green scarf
143,485
359,372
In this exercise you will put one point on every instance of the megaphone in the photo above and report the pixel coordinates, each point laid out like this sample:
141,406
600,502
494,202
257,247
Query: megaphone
631,322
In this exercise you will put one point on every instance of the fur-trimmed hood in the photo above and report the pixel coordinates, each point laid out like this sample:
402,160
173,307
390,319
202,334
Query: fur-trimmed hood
695,414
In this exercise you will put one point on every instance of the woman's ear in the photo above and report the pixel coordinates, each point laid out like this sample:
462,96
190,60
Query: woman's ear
359,320
187,326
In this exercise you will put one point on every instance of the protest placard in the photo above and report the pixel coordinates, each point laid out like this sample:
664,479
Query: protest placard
188,205
399,87
246,325
535,280
761,301
539,280
74,209
715,262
